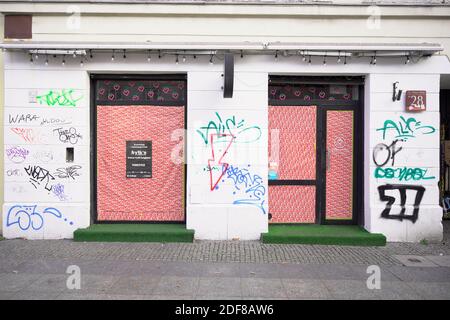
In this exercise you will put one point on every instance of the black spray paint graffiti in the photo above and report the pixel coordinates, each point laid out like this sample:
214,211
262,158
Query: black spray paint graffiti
382,153
386,214
68,172
38,176
22,118
68,135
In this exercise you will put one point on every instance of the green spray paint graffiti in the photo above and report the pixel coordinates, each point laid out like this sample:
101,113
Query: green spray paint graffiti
402,174
229,128
63,98
406,128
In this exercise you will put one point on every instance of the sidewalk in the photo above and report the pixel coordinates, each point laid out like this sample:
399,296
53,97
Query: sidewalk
222,270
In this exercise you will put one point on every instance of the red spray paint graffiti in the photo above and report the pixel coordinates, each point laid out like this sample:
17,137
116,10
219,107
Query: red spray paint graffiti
212,162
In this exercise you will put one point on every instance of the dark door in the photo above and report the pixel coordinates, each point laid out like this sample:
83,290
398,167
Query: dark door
316,171
336,167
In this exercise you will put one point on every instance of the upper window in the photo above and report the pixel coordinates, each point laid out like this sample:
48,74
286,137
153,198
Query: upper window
141,92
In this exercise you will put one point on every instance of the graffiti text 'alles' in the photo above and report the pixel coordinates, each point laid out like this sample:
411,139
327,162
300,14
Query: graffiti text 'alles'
405,128
224,129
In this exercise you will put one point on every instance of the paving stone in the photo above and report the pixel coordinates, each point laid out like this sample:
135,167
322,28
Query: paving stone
350,289
6,295
257,287
142,285
35,295
397,290
15,282
424,274
177,286
219,287
443,261
220,270
432,290
414,261
301,289
218,297
49,283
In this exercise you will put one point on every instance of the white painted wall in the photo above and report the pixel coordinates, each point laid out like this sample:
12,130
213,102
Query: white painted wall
419,151
212,214
2,18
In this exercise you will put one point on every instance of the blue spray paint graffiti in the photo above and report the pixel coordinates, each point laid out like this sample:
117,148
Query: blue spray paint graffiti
26,217
250,184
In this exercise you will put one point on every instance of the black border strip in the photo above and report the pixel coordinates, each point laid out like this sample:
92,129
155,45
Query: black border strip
292,182
93,145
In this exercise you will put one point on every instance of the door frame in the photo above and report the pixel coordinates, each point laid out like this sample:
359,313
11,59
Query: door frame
358,155
94,77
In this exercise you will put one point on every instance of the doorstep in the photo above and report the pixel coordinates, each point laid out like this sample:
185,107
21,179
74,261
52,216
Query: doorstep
322,234
143,232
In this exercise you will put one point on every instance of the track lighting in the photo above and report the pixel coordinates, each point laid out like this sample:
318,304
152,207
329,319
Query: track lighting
159,54
90,54
149,57
112,56
242,54
184,58
63,61
124,55
325,59
46,60
31,58
309,60
176,60
407,60
211,60
276,55
339,57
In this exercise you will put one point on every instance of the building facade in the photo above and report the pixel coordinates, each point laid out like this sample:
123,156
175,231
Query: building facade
224,116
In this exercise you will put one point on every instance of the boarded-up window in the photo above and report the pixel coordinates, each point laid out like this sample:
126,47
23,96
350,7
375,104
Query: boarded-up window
18,27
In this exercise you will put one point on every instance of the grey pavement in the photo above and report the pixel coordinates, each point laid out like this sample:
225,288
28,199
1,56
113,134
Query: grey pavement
222,270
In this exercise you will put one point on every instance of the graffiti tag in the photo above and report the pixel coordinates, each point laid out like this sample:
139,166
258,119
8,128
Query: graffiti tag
17,154
402,174
68,135
58,191
250,184
26,217
228,129
38,176
405,128
68,172
63,98
386,153
386,214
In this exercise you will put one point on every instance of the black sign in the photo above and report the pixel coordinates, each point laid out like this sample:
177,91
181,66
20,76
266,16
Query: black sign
139,159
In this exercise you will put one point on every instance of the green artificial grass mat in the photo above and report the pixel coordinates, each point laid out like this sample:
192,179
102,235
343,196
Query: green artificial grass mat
155,232
1,238
322,234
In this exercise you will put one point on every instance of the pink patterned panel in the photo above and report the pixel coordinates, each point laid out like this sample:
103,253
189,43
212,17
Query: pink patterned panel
297,146
159,198
292,204
339,174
